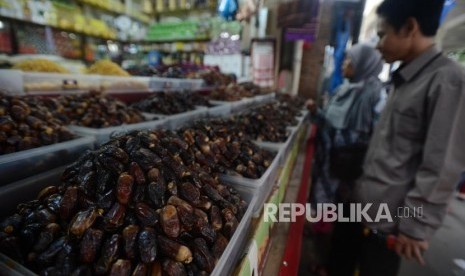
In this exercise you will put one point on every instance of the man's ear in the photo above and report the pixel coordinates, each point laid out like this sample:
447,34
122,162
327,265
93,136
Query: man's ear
410,28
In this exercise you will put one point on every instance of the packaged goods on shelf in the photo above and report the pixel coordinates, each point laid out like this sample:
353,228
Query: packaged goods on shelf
178,31
40,65
107,68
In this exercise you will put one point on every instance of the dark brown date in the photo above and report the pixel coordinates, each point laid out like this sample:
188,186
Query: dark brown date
219,246
46,192
83,221
176,201
170,221
172,268
146,215
46,237
46,257
108,255
156,192
69,203
124,188
130,241
147,245
190,193
174,250
140,270
115,216
121,268
202,255
215,218
136,172
90,244
156,269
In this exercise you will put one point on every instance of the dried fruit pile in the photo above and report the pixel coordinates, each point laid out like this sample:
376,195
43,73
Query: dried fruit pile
216,78
235,92
93,110
171,103
292,102
218,148
26,123
140,204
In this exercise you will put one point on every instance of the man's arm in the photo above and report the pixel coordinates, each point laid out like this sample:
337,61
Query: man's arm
443,158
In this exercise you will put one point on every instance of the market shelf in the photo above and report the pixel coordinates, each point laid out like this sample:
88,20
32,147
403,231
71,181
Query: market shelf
31,23
177,12
120,11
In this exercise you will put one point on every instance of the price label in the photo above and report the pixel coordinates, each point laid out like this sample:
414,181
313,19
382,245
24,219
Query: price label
70,84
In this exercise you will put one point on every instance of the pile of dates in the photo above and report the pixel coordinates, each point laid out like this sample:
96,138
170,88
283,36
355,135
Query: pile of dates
219,148
235,92
26,123
94,110
269,122
216,78
139,205
293,102
171,103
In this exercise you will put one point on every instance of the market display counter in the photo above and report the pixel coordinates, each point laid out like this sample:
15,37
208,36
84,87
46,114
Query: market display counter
268,240
249,248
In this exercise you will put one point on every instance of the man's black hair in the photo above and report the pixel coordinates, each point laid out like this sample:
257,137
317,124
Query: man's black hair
426,12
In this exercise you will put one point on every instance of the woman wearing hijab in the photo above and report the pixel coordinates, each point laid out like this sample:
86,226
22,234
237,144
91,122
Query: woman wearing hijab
346,124
344,130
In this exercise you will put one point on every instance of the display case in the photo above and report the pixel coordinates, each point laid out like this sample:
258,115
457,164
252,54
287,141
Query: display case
22,164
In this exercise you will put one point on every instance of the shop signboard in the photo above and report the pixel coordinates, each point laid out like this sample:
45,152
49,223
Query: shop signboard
299,19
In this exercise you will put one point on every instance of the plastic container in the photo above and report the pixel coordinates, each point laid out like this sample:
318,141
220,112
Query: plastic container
242,105
164,84
102,135
22,191
115,84
219,111
283,148
179,120
9,267
22,164
232,254
38,83
12,81
214,102
264,98
262,186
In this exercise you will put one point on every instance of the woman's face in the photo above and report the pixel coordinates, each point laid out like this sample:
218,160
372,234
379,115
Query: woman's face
348,69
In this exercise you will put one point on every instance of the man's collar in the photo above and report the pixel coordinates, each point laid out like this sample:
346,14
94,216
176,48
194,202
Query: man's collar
407,71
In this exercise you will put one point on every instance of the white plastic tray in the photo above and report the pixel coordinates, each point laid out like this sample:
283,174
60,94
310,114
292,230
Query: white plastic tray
242,105
35,82
168,84
265,98
114,84
219,111
179,120
22,164
214,102
15,193
102,135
